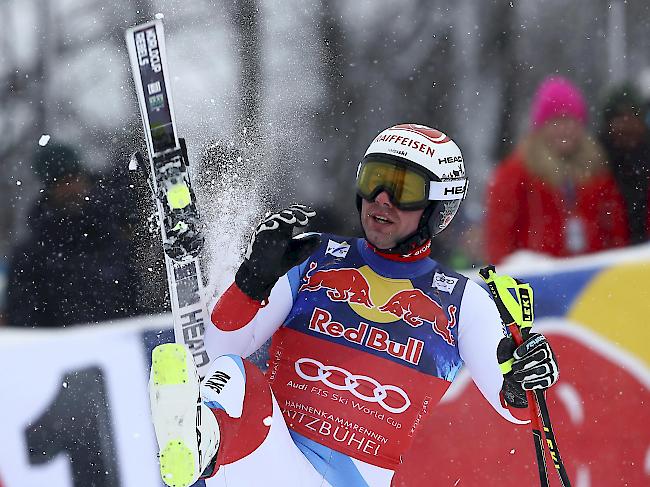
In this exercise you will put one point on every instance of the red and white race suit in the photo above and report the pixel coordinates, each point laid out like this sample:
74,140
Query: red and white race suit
363,347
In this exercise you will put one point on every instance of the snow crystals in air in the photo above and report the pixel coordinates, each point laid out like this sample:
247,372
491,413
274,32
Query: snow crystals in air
43,140
159,16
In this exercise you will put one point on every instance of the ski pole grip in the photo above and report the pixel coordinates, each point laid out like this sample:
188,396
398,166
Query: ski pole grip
513,298
488,273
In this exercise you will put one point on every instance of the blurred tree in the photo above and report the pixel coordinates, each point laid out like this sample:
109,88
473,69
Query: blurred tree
23,120
32,100
501,51
245,15
335,122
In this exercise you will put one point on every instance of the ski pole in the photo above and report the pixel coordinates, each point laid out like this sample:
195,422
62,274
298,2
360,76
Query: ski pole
550,439
520,328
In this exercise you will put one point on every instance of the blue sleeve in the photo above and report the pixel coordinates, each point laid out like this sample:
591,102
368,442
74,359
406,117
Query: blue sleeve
295,276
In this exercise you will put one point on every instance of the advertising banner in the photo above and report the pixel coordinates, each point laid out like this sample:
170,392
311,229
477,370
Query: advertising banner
594,311
74,410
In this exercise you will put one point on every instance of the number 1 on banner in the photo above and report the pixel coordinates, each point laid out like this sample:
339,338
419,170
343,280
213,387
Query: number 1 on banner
79,428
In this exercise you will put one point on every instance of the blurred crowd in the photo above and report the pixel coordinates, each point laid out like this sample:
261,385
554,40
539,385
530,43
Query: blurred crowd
576,182
564,190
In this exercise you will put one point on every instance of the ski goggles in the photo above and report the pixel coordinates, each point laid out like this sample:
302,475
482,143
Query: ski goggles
408,188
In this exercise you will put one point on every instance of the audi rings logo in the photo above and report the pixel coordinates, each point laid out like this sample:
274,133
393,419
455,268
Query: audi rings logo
352,383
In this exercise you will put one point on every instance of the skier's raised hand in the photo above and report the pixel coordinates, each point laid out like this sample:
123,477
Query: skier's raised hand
272,250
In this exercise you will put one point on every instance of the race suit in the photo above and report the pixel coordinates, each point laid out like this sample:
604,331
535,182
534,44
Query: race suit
363,347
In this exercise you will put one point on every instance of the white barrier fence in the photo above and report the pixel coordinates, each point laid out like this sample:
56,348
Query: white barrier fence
74,410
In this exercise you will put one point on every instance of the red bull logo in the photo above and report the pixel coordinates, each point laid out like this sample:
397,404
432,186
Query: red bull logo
345,284
411,305
366,335
415,307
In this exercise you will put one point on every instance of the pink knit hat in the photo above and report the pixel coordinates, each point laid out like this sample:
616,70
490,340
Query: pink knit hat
557,97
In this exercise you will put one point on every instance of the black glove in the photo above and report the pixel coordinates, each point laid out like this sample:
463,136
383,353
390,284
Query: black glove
530,366
272,251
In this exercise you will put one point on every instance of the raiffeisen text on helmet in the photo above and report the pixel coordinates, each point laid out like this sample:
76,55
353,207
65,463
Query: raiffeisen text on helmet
405,141
422,146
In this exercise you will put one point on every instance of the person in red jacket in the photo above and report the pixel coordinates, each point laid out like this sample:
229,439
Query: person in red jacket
555,193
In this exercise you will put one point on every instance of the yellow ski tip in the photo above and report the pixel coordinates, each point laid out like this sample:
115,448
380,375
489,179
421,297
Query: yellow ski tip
177,464
169,365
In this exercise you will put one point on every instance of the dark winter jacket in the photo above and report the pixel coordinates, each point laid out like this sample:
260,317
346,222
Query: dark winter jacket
73,269
625,136
631,169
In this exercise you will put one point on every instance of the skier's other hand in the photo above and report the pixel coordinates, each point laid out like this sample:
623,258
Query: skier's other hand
532,365
272,250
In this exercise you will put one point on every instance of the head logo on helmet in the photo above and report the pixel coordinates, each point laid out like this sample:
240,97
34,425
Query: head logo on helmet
430,152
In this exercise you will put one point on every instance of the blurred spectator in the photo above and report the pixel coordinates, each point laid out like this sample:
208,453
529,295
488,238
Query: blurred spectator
625,136
73,268
554,194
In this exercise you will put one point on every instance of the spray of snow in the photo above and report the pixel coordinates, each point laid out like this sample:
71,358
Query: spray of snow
228,192
258,167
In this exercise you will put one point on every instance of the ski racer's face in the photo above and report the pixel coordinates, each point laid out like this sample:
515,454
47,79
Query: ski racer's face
384,224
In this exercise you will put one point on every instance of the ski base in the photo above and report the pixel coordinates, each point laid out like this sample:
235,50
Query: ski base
174,397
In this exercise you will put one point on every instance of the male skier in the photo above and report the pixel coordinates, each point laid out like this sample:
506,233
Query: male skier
367,335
